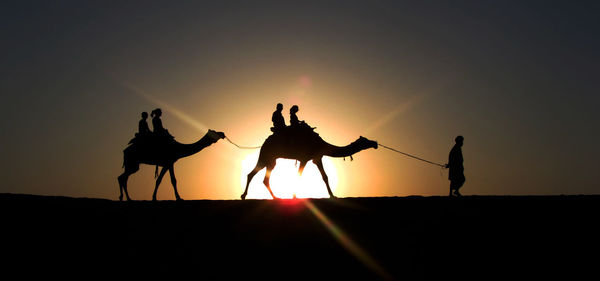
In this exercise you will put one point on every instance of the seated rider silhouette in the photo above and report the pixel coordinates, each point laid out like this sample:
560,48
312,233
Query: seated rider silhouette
298,129
143,129
294,122
297,125
278,121
159,131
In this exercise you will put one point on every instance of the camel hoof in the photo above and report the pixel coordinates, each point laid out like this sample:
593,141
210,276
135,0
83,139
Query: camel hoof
243,196
179,199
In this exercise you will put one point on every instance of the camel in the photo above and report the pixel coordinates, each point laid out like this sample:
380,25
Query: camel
309,146
164,153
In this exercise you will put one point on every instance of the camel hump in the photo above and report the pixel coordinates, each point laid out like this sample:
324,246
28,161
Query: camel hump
294,134
152,141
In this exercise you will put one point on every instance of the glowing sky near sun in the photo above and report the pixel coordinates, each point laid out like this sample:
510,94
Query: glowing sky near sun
517,80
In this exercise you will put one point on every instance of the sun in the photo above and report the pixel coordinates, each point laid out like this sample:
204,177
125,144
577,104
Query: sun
285,181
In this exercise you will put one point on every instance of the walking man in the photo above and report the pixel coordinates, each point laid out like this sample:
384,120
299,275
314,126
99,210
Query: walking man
455,164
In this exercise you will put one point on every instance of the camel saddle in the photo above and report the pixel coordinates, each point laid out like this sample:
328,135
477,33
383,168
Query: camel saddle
293,134
152,139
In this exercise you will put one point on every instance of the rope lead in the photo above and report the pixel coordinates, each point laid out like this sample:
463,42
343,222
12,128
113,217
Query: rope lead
418,158
242,147
415,157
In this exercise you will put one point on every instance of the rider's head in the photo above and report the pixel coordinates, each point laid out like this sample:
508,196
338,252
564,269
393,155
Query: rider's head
294,109
279,106
156,112
144,115
459,140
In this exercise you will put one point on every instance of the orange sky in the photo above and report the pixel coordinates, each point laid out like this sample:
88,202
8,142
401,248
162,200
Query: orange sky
223,163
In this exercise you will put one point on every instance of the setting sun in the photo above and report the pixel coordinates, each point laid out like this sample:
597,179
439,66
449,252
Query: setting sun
285,181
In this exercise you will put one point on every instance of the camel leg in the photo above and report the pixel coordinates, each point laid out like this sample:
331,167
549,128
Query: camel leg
129,170
319,164
122,179
249,179
174,183
267,178
301,168
158,180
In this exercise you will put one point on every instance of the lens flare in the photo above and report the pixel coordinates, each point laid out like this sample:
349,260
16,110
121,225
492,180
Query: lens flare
167,107
347,243
390,116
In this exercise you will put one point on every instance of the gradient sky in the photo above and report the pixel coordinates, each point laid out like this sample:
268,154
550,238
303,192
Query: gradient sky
518,79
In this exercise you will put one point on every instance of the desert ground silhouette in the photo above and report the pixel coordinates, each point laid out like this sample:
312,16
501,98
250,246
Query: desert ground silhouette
407,237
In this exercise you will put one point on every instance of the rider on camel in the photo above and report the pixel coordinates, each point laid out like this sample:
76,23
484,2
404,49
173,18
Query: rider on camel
294,122
277,118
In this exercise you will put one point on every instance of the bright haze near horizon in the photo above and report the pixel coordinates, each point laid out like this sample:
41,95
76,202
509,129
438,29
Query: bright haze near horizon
518,79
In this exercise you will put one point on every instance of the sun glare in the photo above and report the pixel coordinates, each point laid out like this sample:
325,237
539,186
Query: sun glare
285,181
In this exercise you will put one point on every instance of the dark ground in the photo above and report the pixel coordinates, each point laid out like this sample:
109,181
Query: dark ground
410,237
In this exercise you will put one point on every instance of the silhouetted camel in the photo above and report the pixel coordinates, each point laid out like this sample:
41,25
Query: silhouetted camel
312,148
164,155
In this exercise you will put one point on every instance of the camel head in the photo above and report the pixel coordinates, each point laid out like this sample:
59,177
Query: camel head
215,135
364,143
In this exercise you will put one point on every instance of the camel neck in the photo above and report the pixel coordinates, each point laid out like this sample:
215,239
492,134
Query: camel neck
341,151
191,149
